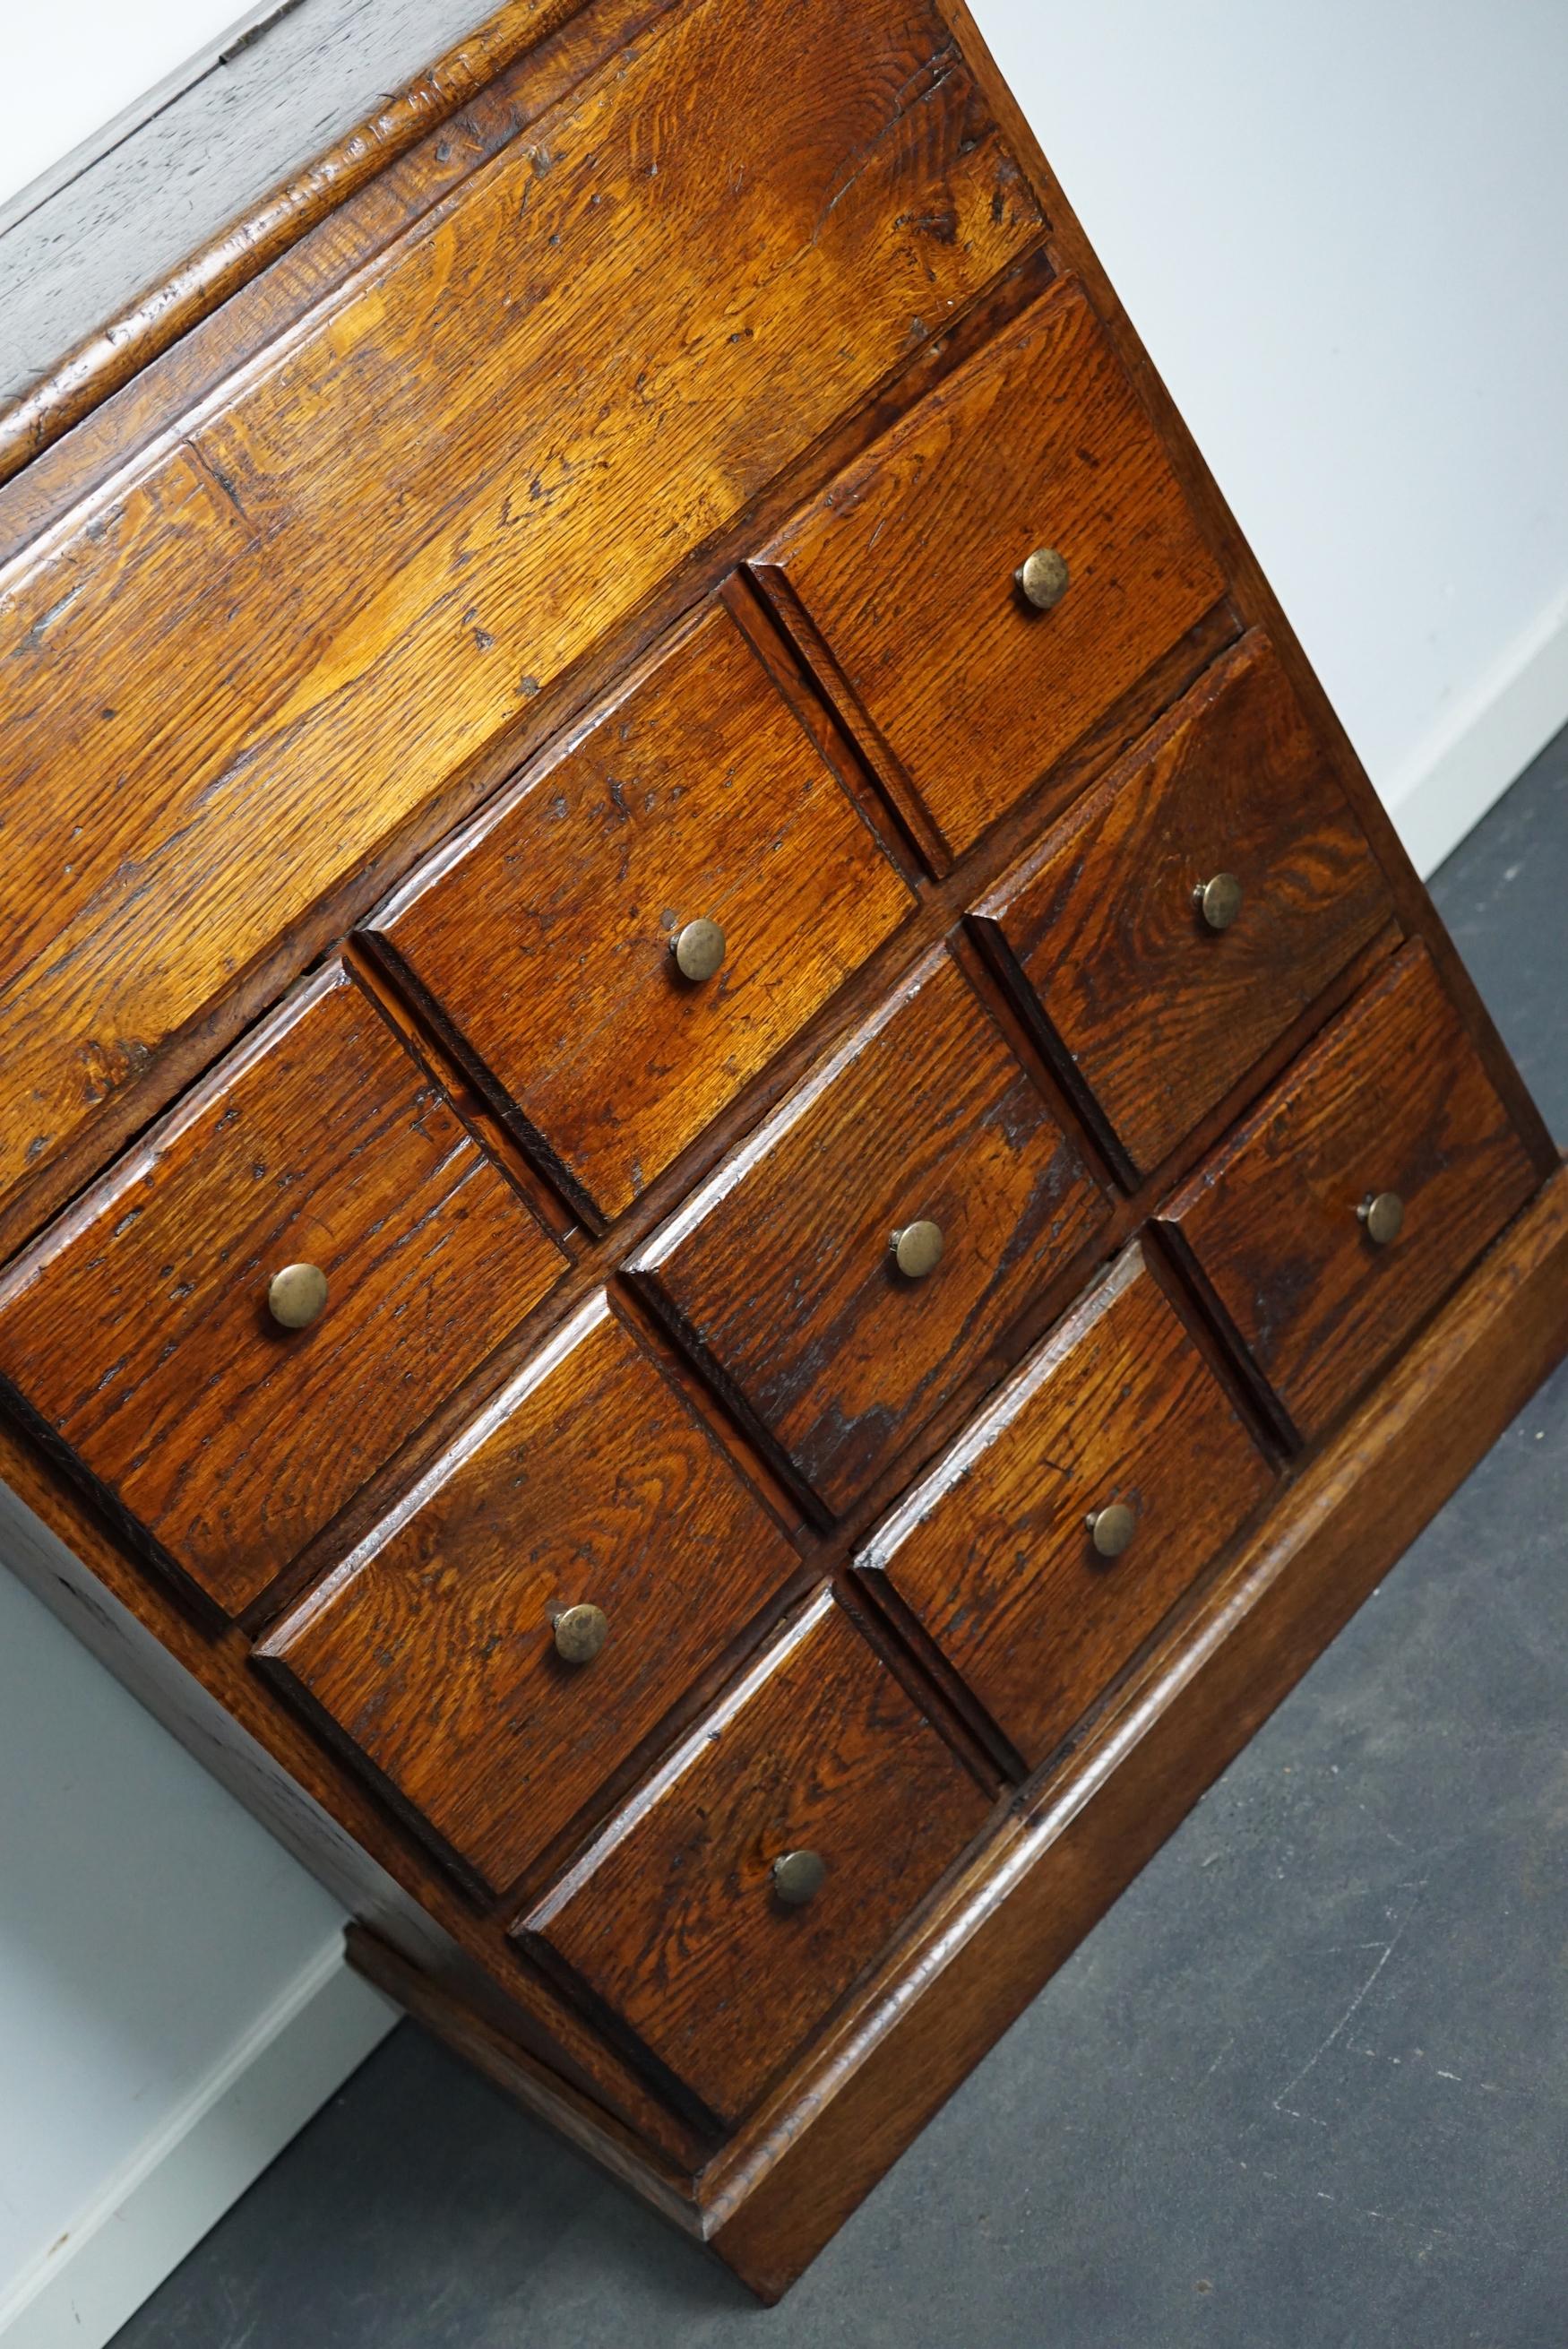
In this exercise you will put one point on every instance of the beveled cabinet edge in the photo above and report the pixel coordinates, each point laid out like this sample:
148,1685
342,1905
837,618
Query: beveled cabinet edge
775,2195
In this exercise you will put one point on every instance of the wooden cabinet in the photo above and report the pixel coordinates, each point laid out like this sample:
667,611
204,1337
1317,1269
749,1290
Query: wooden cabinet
1185,913
869,1242
740,1184
770,1860
904,573
1048,1544
143,1332
634,931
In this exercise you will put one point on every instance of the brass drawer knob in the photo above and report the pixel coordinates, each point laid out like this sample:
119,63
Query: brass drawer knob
580,1633
1042,577
296,1295
1219,900
1111,1528
798,1876
1383,1212
698,949
917,1249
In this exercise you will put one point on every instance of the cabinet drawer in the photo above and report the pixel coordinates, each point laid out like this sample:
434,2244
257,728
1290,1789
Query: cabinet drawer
437,1650
141,1332
1162,982
681,1919
1037,1607
1391,1104
781,1273
905,568
545,941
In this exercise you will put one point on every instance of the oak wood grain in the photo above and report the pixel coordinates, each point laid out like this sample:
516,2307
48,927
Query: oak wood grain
672,1922
992,1552
589,1480
1156,1014
136,1334
814,2149
1393,1097
512,523
779,1273
905,568
541,938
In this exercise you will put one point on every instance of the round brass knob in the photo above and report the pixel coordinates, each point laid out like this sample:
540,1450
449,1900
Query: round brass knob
1043,577
698,949
798,1876
1111,1528
580,1633
1219,900
296,1295
917,1249
1383,1212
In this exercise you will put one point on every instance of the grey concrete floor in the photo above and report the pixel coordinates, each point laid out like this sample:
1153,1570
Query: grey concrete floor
1305,2087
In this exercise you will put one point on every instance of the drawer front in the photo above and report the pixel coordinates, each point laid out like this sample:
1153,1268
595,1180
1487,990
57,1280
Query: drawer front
905,568
682,1920
1162,982
1391,1104
441,1652
1058,1534
551,940
780,1274
143,1330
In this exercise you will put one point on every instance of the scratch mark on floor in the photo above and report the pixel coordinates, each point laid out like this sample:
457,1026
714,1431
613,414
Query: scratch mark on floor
1384,1951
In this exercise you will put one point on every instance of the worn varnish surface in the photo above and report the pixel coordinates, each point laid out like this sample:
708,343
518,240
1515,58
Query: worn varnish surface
588,1480
673,1922
780,1274
1392,1098
992,1552
528,408
1157,1013
137,1331
544,941
904,567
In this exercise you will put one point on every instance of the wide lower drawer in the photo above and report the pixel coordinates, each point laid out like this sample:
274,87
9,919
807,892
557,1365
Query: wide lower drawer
913,570
729,1909
242,1322
631,933
1048,1544
1356,1195
498,1647
877,1234
1171,928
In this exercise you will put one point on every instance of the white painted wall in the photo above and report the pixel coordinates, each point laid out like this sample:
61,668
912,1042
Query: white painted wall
1340,230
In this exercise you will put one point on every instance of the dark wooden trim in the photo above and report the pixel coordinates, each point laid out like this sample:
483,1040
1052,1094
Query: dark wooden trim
781,2191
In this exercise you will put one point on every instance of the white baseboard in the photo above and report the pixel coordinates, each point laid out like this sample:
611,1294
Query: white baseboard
214,2145
1482,742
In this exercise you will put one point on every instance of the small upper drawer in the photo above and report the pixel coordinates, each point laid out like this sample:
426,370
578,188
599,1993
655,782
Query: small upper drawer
1173,926
878,1233
554,941
227,1414
770,1863
905,568
499,1646
1357,1194
1057,1533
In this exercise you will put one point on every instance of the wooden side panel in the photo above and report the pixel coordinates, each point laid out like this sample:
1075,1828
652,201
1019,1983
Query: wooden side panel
588,1480
542,939
904,567
1393,1098
1157,1013
137,1330
363,558
673,1921
780,1274
992,1553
